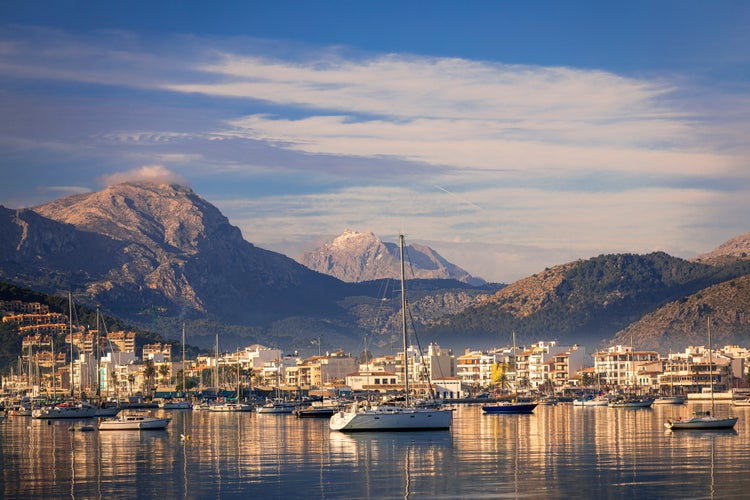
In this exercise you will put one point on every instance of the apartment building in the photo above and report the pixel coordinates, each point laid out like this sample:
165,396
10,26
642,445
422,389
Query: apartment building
158,353
123,341
617,366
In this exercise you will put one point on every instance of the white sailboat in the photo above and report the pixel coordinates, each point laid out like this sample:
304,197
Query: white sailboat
704,420
406,417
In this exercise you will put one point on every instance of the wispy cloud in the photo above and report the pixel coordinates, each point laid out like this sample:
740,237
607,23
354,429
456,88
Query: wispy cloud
296,143
151,174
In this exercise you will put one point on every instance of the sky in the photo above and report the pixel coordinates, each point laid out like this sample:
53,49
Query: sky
508,136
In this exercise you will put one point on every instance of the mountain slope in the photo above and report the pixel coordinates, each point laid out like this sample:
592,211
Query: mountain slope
158,254
164,245
155,255
587,301
684,322
732,249
353,257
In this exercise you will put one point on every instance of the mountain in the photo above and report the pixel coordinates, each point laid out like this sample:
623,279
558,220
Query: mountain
587,301
353,257
155,255
131,247
683,322
158,254
737,248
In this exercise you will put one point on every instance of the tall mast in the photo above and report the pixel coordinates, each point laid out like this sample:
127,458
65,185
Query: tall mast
632,365
98,356
238,375
515,366
54,364
184,391
403,319
70,331
710,366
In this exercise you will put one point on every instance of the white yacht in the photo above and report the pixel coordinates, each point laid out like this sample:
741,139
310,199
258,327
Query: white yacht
397,417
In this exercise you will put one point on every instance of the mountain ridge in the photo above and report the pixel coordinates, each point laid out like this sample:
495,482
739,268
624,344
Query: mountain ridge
356,256
135,249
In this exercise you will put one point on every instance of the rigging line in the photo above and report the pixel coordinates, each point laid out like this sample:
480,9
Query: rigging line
426,373
408,259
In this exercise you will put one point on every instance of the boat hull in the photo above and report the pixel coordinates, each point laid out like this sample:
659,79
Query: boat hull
640,403
315,412
391,419
177,405
134,424
701,423
63,412
669,400
230,407
276,408
107,411
591,402
509,408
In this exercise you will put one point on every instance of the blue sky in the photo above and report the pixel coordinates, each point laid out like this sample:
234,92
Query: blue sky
509,136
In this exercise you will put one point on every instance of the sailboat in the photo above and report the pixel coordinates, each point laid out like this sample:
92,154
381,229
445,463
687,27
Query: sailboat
511,407
401,417
704,420
179,404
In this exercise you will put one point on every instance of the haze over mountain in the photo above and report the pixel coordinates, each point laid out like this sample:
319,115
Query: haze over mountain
158,254
139,247
353,257
131,247
590,301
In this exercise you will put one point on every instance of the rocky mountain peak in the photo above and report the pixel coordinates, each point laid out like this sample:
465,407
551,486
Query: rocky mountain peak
356,256
164,244
737,247
149,214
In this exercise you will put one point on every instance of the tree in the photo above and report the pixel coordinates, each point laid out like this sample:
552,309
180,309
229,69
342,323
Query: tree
504,383
149,372
250,374
115,382
131,381
164,372
548,387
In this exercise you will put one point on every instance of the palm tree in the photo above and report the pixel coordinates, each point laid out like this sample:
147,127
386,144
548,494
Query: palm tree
504,383
115,383
131,381
548,387
250,374
149,372
164,372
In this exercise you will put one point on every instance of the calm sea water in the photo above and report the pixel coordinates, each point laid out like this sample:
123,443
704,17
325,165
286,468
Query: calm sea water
557,452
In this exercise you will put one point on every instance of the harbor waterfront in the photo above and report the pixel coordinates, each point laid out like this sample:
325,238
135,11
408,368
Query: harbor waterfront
559,451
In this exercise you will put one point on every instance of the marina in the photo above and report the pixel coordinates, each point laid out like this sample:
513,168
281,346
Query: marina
550,453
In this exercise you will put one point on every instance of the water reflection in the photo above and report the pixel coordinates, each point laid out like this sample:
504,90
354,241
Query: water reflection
558,451
396,463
